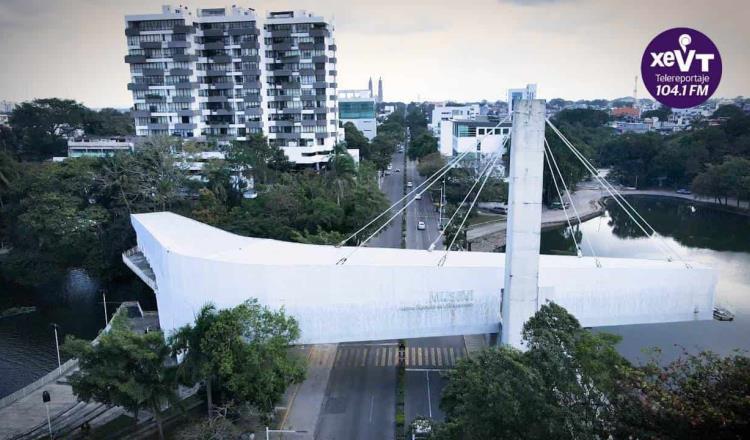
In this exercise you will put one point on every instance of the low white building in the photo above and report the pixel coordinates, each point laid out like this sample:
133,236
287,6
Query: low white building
360,108
515,95
481,135
447,112
100,147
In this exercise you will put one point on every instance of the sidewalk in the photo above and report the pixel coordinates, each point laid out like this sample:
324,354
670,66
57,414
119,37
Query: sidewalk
305,401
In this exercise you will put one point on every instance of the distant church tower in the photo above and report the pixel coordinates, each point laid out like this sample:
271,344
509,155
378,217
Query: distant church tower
369,86
380,89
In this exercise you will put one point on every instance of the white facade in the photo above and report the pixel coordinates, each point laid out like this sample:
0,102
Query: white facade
445,113
360,108
515,95
397,293
4,119
462,136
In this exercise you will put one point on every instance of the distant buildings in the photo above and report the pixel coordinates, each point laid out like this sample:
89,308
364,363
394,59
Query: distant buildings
360,108
481,135
515,95
447,112
620,112
4,118
6,106
220,75
85,147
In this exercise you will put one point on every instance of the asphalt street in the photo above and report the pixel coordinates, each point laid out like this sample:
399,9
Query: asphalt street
360,397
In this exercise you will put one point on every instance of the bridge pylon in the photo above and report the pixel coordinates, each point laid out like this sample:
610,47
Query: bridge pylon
520,298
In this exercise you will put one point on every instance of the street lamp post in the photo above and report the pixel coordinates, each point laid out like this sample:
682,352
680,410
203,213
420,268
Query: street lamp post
46,398
57,347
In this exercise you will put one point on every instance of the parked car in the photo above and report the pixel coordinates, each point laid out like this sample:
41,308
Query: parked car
421,226
557,205
683,191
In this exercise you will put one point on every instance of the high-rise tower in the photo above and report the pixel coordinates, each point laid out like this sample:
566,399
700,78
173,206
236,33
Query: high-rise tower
380,89
369,86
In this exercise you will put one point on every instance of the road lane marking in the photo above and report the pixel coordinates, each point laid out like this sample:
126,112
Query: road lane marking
372,405
429,399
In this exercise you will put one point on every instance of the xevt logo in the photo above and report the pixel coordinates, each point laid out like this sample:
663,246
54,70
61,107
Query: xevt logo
681,68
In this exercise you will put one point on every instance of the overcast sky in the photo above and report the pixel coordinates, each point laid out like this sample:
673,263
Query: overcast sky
426,49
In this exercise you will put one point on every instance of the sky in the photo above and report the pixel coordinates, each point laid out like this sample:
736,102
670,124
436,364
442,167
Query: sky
423,49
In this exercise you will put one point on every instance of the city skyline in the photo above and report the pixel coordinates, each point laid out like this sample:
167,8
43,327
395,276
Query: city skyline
444,53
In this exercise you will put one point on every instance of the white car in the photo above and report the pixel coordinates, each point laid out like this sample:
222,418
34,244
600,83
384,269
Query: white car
421,226
419,196
390,166
409,184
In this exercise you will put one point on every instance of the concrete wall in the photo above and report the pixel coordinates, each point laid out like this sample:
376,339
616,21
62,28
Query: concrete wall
402,293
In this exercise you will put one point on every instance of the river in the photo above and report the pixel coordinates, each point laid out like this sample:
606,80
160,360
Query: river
27,341
698,233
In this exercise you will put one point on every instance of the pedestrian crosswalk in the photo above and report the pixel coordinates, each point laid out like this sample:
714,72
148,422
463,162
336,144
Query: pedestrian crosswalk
387,356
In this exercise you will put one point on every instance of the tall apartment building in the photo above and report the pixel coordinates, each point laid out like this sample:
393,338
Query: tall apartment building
300,74
213,75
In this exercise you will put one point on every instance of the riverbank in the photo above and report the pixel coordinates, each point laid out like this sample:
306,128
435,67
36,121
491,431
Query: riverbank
589,202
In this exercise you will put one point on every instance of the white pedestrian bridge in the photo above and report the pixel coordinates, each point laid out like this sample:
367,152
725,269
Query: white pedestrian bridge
395,293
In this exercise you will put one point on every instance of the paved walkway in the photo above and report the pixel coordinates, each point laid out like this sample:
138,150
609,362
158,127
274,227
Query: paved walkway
304,402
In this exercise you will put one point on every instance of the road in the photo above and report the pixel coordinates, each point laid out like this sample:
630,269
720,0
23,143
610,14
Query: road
360,397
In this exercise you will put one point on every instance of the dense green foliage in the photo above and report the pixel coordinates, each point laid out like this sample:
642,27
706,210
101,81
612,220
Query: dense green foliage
571,383
422,145
124,368
38,128
243,350
390,136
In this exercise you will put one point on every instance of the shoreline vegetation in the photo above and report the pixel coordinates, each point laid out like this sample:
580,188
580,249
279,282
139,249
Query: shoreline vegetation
16,311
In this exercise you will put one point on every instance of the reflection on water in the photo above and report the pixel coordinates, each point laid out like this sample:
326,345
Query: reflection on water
27,342
697,233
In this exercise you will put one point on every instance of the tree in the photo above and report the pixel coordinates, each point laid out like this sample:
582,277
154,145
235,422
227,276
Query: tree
244,350
663,113
108,122
430,164
256,158
124,368
696,396
356,140
559,388
43,124
423,145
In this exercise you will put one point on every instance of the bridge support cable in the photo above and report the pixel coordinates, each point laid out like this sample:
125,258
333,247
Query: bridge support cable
547,156
487,173
439,173
562,202
620,199
441,233
429,183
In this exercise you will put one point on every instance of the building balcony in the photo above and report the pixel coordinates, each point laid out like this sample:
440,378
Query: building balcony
213,32
180,72
319,59
279,34
250,58
250,45
215,73
181,126
183,29
155,99
157,126
134,86
253,111
220,58
153,72
253,124
214,46
244,31
251,85
183,99
151,45
221,86
186,85
319,33
217,99
135,59
188,112
140,113
132,32
184,58
287,135
184,44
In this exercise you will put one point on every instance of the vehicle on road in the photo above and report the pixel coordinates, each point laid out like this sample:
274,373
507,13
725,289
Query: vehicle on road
722,314
420,428
629,188
421,226
557,205
397,170
419,196
390,166
683,191
409,184
387,173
